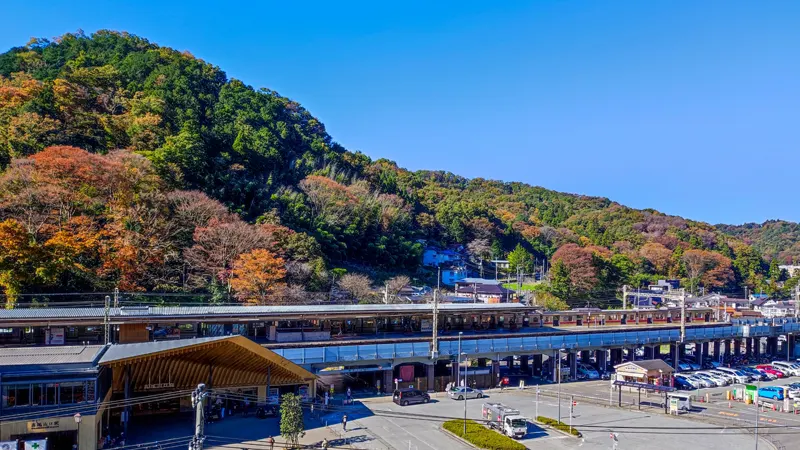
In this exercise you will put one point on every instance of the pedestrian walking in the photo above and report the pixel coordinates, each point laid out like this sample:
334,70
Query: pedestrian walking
325,444
344,422
246,407
271,443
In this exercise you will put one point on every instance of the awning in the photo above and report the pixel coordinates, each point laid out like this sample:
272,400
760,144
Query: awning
226,361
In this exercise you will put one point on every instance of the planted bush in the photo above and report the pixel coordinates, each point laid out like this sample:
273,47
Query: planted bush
482,437
558,425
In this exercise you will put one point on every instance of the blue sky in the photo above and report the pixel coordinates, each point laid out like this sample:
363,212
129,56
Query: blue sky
687,107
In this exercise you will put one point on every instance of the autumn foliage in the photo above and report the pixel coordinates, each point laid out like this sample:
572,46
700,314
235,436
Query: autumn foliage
256,275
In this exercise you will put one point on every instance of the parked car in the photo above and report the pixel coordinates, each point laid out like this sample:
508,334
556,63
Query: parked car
721,381
772,392
712,381
461,392
684,401
692,365
788,368
588,372
693,383
771,370
682,384
701,382
738,375
728,377
405,397
755,374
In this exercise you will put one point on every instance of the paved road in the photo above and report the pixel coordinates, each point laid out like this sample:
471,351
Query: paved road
717,411
635,429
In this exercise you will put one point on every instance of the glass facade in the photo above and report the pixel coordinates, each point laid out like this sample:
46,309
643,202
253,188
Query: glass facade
18,395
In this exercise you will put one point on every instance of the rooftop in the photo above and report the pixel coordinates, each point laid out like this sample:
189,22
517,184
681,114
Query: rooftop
74,354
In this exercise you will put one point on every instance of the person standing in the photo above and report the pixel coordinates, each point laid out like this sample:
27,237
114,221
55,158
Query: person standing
344,422
271,443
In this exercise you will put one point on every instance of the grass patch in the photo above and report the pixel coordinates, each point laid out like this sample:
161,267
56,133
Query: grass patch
558,425
525,286
482,437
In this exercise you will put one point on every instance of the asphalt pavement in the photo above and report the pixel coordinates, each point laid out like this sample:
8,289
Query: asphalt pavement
417,426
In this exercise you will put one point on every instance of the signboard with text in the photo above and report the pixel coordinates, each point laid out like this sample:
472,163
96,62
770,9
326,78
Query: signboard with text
54,336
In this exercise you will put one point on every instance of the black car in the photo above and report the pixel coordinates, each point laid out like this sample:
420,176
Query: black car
405,397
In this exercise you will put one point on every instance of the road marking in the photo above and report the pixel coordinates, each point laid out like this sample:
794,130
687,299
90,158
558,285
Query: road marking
764,419
729,414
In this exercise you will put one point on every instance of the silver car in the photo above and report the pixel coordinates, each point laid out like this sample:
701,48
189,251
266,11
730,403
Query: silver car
460,393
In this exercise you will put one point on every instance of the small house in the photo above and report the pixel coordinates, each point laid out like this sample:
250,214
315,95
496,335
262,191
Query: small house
652,371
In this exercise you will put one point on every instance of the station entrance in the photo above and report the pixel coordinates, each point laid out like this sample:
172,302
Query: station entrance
155,379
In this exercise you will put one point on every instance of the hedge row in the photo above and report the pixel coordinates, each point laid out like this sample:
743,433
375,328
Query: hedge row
558,425
482,437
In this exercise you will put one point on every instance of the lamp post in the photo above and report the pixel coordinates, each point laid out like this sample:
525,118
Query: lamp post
77,418
460,333
558,372
465,393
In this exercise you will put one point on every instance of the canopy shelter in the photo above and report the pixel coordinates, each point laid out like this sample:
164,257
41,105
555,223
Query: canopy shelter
220,362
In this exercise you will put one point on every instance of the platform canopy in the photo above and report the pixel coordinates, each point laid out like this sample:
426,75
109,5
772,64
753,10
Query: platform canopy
221,362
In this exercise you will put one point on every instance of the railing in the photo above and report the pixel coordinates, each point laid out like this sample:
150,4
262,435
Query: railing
490,345
351,353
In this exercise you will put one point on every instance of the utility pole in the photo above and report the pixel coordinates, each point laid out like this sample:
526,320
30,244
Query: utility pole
435,340
624,296
683,316
386,293
116,297
797,301
106,324
199,397
481,261
474,293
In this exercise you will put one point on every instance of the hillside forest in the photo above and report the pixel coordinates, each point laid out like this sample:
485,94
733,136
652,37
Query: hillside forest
133,166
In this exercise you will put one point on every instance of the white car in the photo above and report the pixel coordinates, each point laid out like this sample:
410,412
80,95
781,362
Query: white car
702,382
721,381
788,368
712,381
726,376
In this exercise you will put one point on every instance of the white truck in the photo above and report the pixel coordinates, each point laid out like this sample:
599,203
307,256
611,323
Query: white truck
507,420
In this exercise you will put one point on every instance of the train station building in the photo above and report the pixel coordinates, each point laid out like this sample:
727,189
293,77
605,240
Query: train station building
68,395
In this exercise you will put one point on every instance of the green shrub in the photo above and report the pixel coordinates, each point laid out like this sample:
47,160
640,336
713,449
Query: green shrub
558,425
482,437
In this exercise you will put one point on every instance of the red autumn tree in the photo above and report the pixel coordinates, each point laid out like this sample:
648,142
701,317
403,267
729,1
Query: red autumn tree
256,275
658,255
579,264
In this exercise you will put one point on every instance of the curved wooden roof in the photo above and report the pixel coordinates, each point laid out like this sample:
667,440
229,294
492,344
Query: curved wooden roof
220,362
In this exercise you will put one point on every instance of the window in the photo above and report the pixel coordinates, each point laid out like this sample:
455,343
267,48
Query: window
16,395
50,394
6,330
71,393
38,395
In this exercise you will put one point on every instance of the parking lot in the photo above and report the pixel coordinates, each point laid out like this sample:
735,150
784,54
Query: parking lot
710,406
418,426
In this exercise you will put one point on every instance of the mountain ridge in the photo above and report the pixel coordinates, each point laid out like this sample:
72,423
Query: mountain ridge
271,162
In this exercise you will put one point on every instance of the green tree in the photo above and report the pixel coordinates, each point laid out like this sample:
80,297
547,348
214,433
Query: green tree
550,302
560,282
521,259
292,428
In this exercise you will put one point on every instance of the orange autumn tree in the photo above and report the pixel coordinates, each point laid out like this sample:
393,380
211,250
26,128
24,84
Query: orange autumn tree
256,275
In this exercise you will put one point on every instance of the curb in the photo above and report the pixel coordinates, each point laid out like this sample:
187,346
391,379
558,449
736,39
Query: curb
548,427
455,437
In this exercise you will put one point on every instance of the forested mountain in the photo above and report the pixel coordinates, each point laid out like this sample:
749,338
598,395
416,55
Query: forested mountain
132,165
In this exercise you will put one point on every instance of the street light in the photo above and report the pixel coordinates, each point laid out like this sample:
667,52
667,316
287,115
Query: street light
77,418
460,333
465,393
558,371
